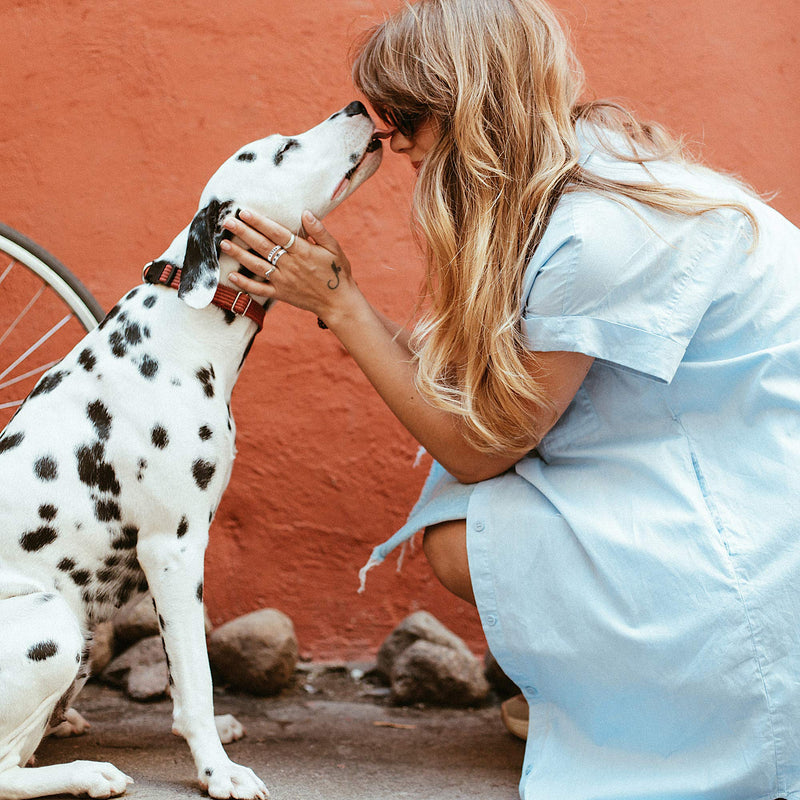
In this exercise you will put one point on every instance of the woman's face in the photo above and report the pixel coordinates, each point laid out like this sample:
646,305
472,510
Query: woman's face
416,145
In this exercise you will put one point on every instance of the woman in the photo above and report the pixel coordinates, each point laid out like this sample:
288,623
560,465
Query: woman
606,371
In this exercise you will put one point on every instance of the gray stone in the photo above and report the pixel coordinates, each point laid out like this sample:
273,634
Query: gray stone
419,625
136,622
141,670
139,621
102,648
256,653
426,672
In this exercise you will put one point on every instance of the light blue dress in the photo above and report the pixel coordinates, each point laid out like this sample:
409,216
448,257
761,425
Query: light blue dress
638,576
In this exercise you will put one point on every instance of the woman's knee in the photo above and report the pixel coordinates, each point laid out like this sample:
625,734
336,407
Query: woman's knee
445,547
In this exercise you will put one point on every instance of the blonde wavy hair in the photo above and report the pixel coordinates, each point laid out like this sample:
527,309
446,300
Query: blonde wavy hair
501,83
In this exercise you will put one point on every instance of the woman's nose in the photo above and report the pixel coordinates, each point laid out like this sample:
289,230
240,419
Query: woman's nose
399,143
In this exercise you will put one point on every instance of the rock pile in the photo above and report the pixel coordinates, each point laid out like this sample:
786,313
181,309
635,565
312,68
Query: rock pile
256,653
420,661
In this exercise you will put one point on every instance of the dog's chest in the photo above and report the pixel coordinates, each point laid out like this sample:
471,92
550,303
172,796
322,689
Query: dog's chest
129,436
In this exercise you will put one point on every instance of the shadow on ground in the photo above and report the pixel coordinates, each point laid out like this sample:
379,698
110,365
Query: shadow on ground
325,739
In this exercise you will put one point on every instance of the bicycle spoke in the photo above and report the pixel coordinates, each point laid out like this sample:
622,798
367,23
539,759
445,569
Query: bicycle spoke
7,270
12,404
22,314
37,345
28,374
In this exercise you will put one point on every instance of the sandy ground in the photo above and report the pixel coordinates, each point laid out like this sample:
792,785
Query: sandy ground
328,738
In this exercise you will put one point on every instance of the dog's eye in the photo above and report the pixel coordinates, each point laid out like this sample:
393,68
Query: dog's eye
289,144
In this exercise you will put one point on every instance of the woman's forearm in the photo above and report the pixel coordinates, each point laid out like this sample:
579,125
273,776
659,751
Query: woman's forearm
387,363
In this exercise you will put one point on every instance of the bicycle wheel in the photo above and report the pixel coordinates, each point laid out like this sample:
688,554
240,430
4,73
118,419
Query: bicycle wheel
44,311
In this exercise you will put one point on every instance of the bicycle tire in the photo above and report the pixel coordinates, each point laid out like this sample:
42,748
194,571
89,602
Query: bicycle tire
33,256
45,311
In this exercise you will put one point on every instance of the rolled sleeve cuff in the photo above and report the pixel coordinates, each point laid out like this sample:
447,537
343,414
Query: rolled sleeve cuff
635,349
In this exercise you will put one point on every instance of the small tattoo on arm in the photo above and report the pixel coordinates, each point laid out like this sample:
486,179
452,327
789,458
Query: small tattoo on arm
336,271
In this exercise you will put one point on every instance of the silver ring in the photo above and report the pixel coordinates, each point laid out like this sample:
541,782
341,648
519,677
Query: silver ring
270,271
275,254
290,242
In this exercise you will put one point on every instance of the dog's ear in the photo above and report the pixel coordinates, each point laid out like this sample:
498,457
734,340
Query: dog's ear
200,271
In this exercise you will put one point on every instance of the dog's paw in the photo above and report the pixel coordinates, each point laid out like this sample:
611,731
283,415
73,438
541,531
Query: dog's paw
229,728
233,781
97,779
73,724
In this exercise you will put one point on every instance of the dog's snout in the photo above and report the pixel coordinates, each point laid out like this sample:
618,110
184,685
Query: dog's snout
355,109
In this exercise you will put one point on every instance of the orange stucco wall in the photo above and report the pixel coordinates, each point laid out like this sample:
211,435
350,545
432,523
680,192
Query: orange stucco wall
114,115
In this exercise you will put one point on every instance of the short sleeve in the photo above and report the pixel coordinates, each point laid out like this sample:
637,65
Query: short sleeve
626,286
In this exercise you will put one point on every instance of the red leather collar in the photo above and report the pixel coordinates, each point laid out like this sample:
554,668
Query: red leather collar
239,303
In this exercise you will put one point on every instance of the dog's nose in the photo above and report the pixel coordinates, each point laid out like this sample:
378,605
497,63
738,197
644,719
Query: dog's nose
356,109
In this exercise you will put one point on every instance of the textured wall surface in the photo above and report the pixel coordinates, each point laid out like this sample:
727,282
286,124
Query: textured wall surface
116,113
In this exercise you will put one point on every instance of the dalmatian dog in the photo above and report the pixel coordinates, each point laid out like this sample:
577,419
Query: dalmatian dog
113,467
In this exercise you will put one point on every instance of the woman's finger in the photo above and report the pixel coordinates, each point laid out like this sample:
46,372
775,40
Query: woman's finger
255,288
319,233
269,229
252,262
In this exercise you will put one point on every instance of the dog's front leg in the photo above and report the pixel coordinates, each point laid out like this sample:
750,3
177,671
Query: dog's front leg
174,569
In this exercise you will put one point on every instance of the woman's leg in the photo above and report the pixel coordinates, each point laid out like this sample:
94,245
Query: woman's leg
445,546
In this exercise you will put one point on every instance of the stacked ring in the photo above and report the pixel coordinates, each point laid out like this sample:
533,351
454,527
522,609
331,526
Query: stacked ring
275,254
290,242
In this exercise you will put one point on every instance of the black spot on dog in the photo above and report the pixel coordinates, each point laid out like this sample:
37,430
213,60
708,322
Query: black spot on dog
199,591
132,293
36,540
206,377
107,511
149,301
127,539
230,317
183,526
108,317
112,561
247,350
100,417
203,472
142,585
117,344
247,156
126,590
66,564
48,512
159,437
205,433
45,468
106,575
208,772
42,650
87,359
80,576
133,333
93,471
49,382
148,367
11,441
290,144
142,468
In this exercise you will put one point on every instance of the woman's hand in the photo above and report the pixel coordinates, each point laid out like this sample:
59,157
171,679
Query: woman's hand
314,274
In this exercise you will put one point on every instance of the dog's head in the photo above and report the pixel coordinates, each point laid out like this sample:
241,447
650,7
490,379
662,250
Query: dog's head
279,177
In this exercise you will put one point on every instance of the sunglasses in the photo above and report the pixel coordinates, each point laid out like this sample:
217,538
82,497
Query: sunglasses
406,122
